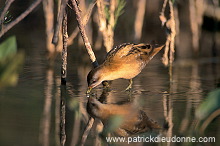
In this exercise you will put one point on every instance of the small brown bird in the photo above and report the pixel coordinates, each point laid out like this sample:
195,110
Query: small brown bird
124,61
131,120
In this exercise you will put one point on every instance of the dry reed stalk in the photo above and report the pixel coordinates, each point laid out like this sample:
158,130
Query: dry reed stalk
107,29
196,9
83,33
92,58
19,18
64,50
139,19
213,11
59,45
170,26
85,21
59,22
83,9
177,24
48,6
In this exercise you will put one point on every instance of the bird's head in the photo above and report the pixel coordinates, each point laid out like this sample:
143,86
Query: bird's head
94,107
94,78
150,50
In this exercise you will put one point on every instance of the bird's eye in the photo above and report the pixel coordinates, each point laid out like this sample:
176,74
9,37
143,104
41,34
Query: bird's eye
145,47
148,46
93,104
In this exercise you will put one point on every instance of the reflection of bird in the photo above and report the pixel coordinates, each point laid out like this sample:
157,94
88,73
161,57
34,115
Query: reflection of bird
124,61
133,120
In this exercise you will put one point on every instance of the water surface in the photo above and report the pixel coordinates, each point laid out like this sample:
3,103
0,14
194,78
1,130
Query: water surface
30,112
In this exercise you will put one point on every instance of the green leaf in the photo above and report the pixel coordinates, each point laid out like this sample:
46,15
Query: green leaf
119,10
9,69
8,47
211,104
10,62
112,124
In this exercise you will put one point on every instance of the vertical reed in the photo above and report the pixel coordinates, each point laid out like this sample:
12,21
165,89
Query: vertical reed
64,51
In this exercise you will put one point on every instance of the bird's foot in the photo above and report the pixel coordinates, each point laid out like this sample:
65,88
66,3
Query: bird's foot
128,89
129,86
106,84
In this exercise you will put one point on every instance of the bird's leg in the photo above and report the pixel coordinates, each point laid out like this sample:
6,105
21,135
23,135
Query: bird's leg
130,85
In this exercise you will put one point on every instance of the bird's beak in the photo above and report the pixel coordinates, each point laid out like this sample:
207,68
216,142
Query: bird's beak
156,49
88,90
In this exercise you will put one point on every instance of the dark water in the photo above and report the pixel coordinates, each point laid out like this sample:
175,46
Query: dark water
30,112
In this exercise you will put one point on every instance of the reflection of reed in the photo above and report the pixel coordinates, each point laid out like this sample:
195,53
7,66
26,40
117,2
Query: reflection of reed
87,130
46,118
76,129
62,115
168,114
99,129
195,87
186,120
80,115
57,111
168,105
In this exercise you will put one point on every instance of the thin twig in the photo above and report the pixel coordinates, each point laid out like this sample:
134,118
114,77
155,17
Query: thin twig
85,21
83,33
164,6
8,4
18,19
59,22
86,131
162,17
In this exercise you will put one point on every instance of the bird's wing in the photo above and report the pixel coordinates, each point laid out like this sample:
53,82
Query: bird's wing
139,49
128,52
144,123
119,51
